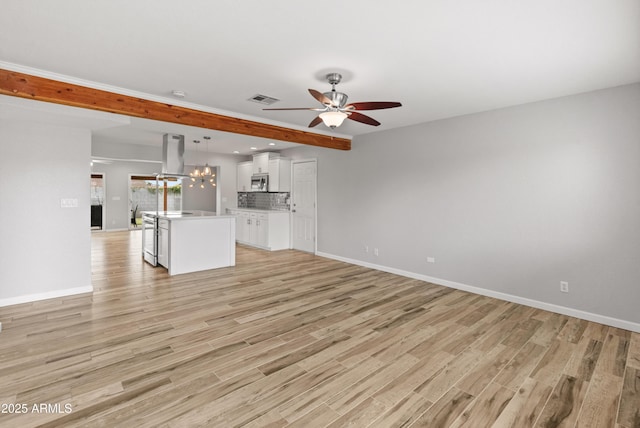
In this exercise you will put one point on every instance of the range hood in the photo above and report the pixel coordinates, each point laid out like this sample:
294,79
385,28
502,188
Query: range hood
173,156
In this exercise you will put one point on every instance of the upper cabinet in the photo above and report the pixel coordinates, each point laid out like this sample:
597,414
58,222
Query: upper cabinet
261,162
278,169
244,171
280,175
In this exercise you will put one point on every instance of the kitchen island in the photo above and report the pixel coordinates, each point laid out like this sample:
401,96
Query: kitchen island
191,241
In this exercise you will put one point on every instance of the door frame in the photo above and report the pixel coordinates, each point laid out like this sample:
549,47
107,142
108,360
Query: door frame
104,201
315,203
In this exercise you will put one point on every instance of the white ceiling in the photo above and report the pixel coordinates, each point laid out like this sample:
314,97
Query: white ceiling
439,58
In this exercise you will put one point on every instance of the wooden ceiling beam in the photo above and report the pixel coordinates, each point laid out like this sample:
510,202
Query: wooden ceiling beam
53,91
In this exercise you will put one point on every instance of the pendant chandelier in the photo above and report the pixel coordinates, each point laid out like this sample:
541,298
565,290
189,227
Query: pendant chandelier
202,174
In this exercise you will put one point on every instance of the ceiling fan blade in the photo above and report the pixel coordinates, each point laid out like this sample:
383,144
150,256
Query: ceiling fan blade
373,105
315,122
320,97
359,117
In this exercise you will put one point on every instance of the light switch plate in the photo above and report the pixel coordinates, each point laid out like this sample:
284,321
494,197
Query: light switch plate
68,203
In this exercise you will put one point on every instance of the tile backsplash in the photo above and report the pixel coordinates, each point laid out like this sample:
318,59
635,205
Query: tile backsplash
264,200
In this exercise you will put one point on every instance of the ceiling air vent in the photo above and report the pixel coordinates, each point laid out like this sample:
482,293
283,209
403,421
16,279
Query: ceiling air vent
263,99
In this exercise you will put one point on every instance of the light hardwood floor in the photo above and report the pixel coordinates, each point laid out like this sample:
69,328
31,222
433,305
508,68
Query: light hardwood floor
290,339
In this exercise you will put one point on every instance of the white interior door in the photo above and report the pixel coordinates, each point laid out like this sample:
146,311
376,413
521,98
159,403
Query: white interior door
303,205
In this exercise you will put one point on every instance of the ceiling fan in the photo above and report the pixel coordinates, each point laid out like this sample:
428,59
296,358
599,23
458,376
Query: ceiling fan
336,109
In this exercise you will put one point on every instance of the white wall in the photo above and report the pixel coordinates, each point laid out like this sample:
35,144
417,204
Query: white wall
44,249
510,201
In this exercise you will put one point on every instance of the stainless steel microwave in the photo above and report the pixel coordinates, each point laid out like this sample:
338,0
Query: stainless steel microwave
260,183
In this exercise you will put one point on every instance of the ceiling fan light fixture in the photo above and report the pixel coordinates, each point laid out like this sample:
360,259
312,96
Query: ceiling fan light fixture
333,119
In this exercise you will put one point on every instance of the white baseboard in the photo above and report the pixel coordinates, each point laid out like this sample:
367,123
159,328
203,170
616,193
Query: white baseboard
602,319
27,298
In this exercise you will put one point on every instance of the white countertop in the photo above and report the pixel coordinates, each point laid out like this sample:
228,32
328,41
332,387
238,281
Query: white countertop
258,210
185,215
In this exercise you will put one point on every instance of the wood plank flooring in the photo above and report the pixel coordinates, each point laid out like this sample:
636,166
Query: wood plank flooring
287,339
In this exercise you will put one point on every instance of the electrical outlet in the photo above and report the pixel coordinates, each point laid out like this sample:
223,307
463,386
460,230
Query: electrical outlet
375,252
564,286
431,259
366,248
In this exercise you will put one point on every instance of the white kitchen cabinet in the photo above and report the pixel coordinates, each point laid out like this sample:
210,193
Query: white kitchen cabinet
257,229
263,229
245,229
280,175
244,171
246,224
253,229
239,224
261,162
163,243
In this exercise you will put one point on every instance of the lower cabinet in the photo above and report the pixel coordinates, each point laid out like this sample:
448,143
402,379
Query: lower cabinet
261,229
243,226
264,229
163,243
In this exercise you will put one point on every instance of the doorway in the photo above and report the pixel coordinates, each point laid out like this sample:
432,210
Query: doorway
143,196
303,205
97,201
